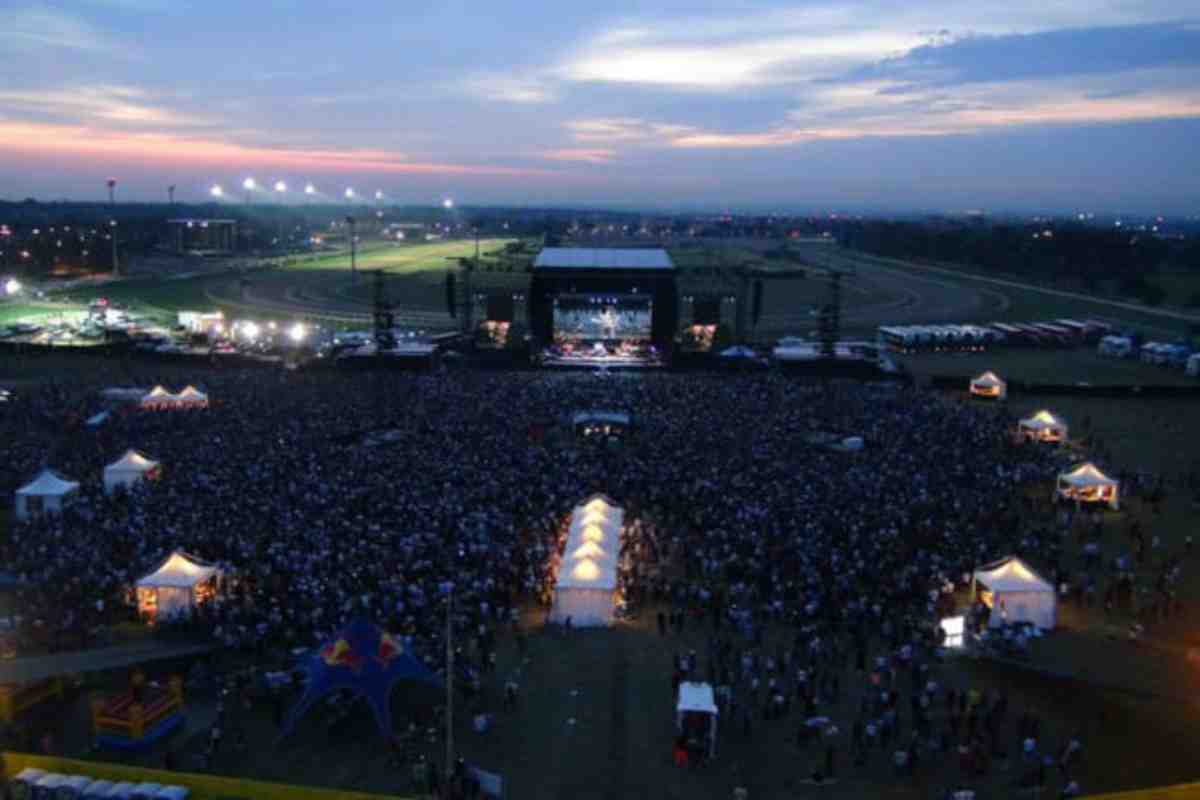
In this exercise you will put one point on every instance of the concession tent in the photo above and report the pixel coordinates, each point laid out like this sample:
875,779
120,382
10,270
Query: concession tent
1015,593
587,576
1087,484
1043,427
158,397
989,384
696,711
192,397
128,470
176,587
44,494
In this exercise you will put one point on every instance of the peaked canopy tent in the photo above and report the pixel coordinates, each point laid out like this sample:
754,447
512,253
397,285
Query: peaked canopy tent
128,470
1015,593
191,397
179,584
159,397
1043,427
587,577
365,661
44,494
1087,484
990,385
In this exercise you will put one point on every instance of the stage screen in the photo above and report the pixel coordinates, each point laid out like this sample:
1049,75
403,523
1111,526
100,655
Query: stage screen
602,317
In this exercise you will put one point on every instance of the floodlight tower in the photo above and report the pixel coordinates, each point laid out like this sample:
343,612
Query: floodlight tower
353,247
249,186
310,192
112,203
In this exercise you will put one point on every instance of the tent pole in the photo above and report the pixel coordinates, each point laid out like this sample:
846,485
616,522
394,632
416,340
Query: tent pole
449,687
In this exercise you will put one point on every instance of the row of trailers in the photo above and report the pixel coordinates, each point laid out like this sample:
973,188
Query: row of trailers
977,338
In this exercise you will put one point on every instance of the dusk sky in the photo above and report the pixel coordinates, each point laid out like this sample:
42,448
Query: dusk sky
1018,104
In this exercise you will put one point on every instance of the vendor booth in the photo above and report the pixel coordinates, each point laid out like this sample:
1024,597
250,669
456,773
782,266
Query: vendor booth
1043,427
601,423
159,398
191,397
989,385
1087,484
587,576
177,587
696,717
45,494
128,470
1015,593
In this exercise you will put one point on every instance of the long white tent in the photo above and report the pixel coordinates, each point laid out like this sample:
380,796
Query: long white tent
1016,593
587,576
45,494
127,470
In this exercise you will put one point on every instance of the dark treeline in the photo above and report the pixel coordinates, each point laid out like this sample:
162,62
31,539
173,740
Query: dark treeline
1090,258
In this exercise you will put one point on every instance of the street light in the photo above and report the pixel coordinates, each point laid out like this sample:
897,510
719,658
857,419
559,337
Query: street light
310,189
12,286
217,192
448,203
349,194
378,195
280,187
249,185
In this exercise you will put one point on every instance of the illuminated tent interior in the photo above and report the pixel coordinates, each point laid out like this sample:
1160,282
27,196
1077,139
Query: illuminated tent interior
989,384
1087,484
587,576
178,585
1043,427
128,470
44,494
193,397
1015,593
159,397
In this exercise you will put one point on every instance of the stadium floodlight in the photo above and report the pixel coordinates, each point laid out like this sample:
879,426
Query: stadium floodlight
250,329
448,203
349,194
280,186
249,184
379,194
310,189
12,286
217,191
297,332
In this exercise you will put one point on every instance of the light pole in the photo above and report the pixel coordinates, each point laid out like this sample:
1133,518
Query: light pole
171,195
112,203
353,247
349,194
248,185
280,189
217,192
310,192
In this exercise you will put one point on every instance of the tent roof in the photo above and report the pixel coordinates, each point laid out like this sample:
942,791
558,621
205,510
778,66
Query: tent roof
1042,419
1011,574
180,571
617,417
988,378
132,460
47,484
1087,474
738,351
696,697
192,393
159,391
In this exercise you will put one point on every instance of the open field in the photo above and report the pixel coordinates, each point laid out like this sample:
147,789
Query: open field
401,258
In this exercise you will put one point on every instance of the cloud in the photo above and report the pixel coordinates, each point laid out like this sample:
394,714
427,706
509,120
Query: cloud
614,130
114,104
33,29
584,155
509,89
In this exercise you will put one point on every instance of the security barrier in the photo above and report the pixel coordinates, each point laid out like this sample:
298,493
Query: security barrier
202,787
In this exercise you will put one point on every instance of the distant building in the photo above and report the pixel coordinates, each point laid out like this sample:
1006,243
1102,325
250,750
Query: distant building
202,236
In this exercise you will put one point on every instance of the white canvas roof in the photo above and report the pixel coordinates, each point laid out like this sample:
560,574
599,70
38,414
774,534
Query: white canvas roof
603,258
1086,475
1042,419
132,461
48,484
179,571
593,545
615,417
192,393
1011,575
988,379
738,351
696,697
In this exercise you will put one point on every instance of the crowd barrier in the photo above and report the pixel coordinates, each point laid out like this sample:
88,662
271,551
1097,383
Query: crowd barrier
15,699
960,383
202,787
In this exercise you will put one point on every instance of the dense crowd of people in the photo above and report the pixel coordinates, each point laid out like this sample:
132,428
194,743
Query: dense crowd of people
325,496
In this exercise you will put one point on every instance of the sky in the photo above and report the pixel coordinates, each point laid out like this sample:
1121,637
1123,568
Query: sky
782,106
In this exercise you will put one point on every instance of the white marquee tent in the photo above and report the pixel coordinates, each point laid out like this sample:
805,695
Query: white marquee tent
175,588
159,397
128,470
1016,593
587,576
1087,484
192,397
44,494
1043,427
989,384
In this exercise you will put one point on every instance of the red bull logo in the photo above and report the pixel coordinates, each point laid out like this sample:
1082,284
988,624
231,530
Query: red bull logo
341,654
389,648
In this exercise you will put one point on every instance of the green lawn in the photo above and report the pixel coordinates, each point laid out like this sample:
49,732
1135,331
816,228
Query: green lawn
1181,287
403,258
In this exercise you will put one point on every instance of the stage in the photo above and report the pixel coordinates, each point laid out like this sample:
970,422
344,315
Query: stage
595,362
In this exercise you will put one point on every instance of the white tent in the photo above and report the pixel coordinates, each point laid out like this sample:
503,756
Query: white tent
989,384
697,698
193,397
1086,483
1043,427
127,470
158,397
738,351
587,577
176,587
1016,593
44,494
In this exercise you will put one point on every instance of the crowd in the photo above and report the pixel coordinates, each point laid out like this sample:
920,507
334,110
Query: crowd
734,520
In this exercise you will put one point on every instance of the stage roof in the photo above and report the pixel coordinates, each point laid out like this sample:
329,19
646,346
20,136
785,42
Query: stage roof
586,258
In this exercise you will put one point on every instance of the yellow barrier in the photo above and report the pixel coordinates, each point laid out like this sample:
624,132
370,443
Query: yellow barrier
1180,791
202,787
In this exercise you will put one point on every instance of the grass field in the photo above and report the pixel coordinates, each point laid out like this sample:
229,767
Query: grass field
401,258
